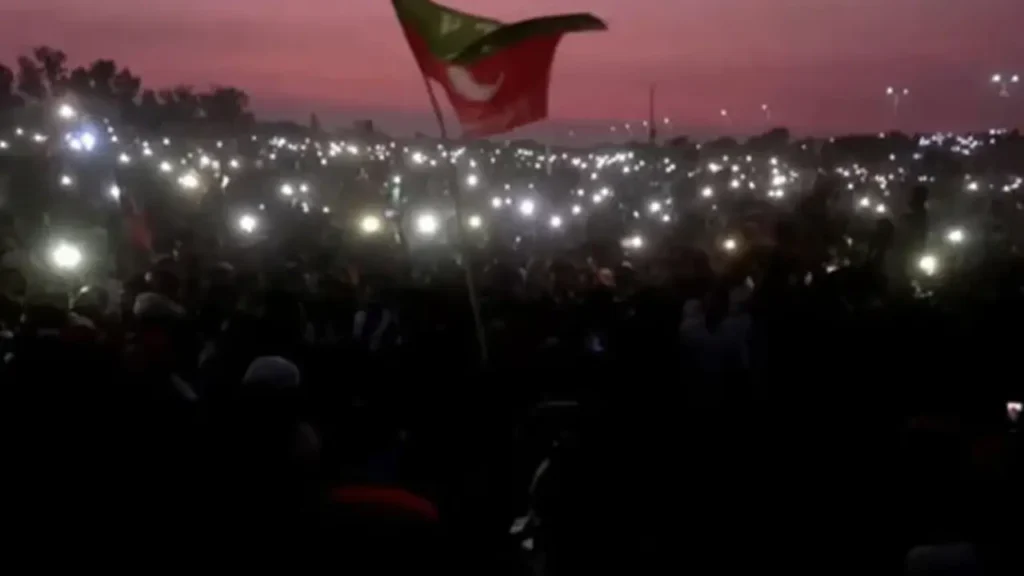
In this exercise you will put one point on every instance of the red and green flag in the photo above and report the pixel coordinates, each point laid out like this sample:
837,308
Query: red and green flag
496,75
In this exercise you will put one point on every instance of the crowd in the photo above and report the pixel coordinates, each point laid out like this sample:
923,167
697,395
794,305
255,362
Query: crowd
388,356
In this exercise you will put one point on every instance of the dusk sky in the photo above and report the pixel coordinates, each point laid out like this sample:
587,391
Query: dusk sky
822,65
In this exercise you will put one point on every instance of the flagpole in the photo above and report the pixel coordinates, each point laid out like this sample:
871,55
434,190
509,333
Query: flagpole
652,132
474,301
437,109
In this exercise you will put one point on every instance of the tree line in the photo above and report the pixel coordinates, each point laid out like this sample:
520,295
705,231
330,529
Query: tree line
104,88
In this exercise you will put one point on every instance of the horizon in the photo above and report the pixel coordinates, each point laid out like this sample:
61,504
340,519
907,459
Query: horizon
348,63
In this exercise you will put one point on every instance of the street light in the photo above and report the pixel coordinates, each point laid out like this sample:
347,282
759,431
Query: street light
1004,81
896,95
767,112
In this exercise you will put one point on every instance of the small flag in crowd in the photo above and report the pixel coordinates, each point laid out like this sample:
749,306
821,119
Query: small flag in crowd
496,75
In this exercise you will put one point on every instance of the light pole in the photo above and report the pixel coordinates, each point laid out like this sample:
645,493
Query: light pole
896,95
1004,81
767,111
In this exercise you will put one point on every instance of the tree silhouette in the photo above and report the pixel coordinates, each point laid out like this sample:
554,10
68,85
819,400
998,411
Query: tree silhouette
103,87
774,139
126,87
101,78
30,79
724,145
226,106
79,83
149,113
9,99
186,103
53,64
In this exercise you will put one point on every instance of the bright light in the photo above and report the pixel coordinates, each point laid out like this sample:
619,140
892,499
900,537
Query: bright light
66,112
472,180
287,190
88,140
928,264
418,158
165,166
66,181
880,209
115,192
526,207
370,224
124,158
654,207
730,244
955,236
475,222
189,181
576,209
66,256
865,202
997,78
556,221
247,223
707,192
426,224
234,164
635,242
496,202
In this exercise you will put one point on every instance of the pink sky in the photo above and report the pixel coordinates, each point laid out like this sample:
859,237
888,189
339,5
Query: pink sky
822,65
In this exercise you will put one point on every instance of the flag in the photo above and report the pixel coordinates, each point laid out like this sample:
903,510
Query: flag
495,75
